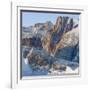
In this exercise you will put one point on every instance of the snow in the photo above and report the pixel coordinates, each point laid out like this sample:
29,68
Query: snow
68,71
26,61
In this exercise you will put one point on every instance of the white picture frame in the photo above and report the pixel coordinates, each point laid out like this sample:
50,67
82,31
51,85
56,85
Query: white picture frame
16,80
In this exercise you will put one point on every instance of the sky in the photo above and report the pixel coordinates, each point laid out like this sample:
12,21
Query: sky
31,18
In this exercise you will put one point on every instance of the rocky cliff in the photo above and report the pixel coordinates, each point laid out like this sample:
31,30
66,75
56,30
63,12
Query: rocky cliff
52,43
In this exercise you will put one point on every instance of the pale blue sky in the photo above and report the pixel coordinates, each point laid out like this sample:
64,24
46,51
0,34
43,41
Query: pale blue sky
30,18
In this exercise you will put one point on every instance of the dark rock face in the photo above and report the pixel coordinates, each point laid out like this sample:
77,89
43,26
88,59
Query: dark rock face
25,53
69,53
26,42
38,59
76,53
59,67
65,53
35,42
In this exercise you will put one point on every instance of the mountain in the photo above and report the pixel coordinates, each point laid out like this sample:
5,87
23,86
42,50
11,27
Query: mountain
27,29
70,38
56,35
52,44
52,37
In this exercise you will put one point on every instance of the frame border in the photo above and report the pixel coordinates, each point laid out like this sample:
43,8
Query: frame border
41,11
15,83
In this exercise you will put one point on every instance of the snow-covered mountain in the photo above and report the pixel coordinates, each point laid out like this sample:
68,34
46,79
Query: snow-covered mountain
52,47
